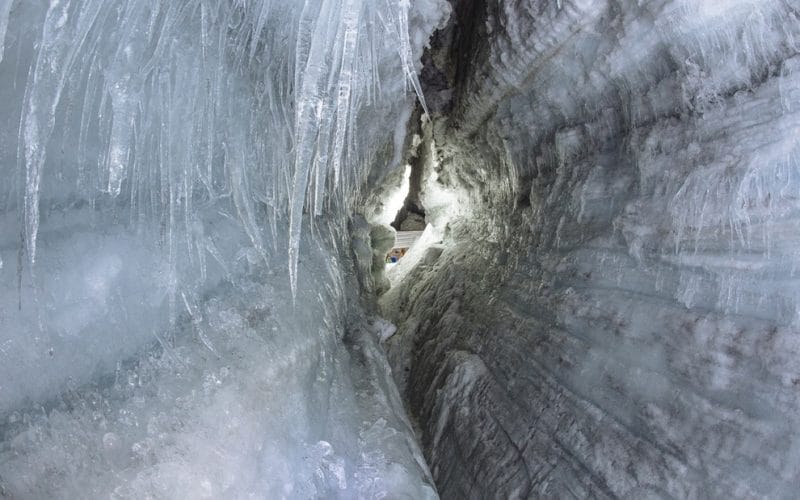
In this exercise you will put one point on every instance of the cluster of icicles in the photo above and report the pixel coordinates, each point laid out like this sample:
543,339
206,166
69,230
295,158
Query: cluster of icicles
177,105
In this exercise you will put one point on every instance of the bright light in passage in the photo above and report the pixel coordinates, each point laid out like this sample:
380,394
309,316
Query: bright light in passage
394,202
442,204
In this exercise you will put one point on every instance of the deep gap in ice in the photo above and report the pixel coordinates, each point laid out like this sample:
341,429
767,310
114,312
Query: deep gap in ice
197,199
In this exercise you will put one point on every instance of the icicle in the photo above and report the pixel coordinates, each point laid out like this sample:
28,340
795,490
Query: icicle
121,131
351,22
405,51
44,86
5,10
308,104
60,43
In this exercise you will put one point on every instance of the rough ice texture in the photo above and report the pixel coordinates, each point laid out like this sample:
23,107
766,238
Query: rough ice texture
616,314
245,397
151,155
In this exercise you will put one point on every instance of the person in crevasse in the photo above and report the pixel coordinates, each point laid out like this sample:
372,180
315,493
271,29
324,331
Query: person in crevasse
395,255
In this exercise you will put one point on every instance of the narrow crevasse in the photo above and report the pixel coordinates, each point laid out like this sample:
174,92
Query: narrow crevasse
606,302
194,209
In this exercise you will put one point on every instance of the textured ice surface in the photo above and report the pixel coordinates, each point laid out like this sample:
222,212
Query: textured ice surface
175,103
606,303
5,10
614,311
95,299
156,162
239,400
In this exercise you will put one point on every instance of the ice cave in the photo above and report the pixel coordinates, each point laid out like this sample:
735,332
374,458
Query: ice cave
399,249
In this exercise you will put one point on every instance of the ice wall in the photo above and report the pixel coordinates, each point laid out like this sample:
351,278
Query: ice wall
163,331
613,312
162,105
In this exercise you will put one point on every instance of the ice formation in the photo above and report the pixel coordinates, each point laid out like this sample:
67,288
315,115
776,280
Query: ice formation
159,160
604,302
613,312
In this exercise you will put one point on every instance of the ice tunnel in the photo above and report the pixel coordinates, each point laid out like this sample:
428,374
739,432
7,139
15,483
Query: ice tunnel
601,297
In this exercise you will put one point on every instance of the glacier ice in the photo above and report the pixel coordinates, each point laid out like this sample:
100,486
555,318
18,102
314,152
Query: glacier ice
5,10
607,301
162,158
137,83
604,302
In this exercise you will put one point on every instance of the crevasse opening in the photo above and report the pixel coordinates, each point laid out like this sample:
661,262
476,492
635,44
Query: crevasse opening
610,308
601,300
